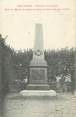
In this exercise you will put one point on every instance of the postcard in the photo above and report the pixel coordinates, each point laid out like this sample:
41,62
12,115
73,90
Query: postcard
37,58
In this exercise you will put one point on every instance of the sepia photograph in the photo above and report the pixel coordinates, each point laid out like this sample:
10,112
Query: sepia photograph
37,58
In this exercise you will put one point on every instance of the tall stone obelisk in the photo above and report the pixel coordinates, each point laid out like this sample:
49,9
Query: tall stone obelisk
38,66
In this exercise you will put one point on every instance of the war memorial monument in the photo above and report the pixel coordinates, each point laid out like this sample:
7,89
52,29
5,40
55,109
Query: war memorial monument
37,79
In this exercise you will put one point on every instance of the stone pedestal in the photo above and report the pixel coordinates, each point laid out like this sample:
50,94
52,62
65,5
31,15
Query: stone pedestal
38,76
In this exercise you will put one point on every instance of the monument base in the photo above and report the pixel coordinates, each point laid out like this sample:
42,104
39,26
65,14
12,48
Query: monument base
37,87
38,93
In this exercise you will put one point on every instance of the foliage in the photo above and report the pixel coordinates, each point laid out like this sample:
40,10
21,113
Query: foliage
16,63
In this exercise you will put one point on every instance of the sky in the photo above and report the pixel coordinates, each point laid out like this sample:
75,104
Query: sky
19,25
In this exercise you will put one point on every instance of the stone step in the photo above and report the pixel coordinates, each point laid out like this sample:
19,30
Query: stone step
37,87
38,93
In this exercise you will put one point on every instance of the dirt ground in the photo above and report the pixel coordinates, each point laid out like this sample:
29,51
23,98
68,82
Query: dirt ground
63,105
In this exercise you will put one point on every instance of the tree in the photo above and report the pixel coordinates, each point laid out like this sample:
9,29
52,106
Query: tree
3,75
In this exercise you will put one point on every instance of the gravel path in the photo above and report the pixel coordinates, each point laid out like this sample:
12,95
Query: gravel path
64,105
